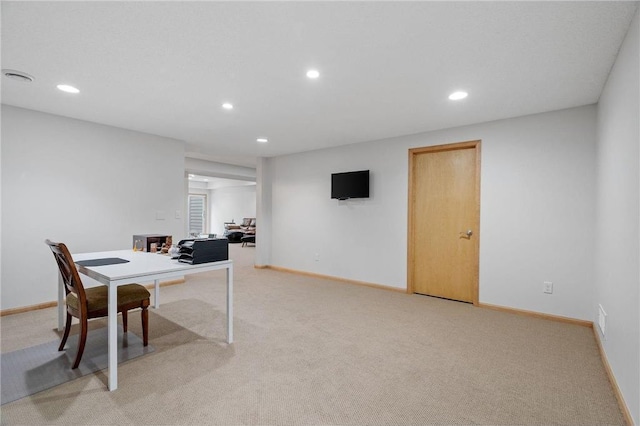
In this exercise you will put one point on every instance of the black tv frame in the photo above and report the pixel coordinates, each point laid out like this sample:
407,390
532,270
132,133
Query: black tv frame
347,185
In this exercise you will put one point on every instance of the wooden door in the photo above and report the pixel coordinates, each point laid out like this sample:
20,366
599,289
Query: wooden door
444,217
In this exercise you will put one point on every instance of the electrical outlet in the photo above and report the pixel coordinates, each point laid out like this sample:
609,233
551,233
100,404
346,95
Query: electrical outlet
548,287
317,257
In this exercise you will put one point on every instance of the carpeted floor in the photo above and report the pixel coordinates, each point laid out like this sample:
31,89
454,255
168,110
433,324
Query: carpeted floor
36,368
309,351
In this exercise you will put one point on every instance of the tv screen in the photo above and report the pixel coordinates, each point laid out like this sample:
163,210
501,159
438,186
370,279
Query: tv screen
350,185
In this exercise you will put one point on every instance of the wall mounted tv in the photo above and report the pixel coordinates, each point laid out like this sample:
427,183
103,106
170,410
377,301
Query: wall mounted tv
350,185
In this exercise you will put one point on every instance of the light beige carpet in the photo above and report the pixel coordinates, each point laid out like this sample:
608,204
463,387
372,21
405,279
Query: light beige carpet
309,351
36,368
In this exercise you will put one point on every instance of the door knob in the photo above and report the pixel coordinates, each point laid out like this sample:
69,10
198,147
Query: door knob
467,234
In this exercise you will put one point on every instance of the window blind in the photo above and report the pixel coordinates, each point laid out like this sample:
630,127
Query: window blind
197,214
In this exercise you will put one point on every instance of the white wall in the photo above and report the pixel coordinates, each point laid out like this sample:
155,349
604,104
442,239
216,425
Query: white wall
263,211
198,166
231,203
87,185
537,211
617,268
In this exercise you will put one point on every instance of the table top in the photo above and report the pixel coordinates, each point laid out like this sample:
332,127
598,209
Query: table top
141,266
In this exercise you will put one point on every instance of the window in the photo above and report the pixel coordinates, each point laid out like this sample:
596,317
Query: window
197,214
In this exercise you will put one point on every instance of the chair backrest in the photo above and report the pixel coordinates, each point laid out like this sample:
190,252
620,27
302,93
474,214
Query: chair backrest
68,271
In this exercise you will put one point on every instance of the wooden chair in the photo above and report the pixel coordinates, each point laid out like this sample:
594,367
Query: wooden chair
85,304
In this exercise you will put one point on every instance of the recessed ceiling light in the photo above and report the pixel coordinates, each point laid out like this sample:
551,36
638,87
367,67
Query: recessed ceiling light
227,105
67,88
18,75
456,96
262,140
313,73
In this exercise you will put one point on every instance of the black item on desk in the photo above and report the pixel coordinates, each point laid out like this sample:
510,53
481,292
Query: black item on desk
203,250
102,262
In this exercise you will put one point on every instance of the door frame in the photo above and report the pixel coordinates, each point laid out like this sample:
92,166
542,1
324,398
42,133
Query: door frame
475,144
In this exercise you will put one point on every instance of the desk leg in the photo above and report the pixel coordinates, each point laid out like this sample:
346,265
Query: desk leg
156,294
230,304
61,307
113,337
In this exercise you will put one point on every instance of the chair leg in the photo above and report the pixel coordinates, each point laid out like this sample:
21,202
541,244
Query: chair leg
124,320
145,325
81,341
67,329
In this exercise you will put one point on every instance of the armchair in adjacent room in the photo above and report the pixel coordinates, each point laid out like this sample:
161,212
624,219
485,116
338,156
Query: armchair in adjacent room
248,225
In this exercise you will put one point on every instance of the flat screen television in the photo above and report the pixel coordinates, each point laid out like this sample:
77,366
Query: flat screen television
350,185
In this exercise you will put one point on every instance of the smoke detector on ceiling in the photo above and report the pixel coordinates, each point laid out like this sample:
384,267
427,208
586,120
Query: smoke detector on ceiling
18,75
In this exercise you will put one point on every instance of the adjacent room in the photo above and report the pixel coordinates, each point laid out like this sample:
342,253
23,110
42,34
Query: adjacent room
420,212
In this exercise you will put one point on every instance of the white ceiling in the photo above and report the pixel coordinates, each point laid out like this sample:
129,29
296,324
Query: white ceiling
386,67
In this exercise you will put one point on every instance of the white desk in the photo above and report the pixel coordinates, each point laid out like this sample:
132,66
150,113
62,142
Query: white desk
142,267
